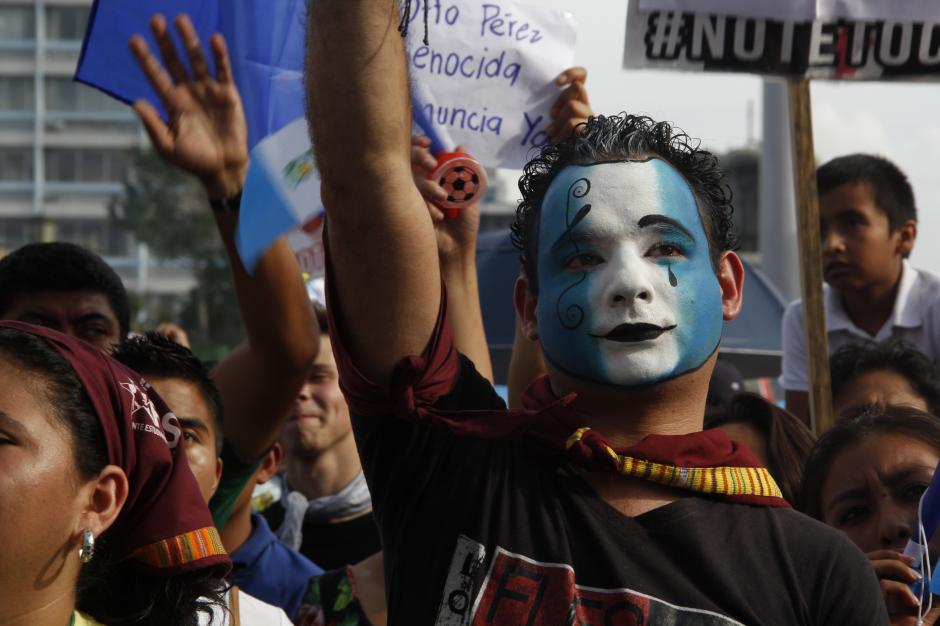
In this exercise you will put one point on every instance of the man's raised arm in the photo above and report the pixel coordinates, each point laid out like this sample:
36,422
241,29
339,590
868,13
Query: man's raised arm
384,265
207,137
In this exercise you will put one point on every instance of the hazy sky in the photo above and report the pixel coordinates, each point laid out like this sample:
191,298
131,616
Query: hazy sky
900,121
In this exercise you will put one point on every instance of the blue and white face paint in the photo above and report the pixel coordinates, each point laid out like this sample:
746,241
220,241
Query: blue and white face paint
627,292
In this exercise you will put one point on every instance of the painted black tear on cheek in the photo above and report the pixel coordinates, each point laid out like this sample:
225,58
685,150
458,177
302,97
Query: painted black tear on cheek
672,277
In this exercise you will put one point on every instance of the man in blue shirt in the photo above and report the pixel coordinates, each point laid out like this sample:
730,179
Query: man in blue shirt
263,565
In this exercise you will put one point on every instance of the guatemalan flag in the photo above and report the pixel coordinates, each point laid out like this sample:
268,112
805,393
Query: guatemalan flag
266,43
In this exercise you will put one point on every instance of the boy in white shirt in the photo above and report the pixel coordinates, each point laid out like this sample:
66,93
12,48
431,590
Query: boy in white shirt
868,220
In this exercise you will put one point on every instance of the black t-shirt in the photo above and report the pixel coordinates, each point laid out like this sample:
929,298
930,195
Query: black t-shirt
486,532
333,545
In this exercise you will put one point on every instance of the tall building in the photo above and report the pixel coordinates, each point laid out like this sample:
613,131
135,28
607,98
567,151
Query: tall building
64,147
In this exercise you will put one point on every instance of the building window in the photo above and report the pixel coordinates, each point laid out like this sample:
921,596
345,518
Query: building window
66,23
85,165
89,233
17,23
60,164
65,95
16,93
16,163
15,232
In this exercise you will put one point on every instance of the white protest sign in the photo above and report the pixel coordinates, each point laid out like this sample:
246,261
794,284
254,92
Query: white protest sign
847,44
805,10
486,75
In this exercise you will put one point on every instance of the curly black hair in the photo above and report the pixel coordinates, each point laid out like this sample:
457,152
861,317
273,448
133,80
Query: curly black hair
894,355
624,137
153,355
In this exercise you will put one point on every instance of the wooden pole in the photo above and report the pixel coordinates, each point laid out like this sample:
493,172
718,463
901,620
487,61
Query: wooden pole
811,277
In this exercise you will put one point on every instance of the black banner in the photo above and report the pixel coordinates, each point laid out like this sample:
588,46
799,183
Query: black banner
838,48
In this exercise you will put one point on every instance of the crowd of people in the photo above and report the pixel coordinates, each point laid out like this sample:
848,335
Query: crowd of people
351,462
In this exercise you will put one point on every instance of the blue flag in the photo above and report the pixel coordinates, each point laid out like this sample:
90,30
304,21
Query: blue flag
930,518
107,63
266,44
930,509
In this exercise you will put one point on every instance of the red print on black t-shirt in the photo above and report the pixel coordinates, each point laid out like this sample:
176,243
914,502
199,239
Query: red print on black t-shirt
520,590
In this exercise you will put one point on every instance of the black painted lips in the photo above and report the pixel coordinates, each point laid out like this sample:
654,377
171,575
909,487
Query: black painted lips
632,333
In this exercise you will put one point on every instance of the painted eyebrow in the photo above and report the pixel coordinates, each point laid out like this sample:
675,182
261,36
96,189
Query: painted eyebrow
655,219
581,239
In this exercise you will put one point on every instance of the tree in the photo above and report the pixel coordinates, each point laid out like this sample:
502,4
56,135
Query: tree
167,209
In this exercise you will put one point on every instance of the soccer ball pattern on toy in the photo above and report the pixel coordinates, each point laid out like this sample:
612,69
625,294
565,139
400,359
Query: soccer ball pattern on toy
460,183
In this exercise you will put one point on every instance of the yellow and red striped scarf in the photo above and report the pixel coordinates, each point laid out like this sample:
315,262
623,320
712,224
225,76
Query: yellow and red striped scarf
722,480
705,462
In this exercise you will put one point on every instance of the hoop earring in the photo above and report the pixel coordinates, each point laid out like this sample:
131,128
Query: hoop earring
87,550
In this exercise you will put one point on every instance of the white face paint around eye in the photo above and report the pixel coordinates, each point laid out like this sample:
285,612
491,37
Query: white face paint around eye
627,292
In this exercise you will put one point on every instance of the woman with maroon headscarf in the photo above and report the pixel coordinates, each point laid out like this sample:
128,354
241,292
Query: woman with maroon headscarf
101,520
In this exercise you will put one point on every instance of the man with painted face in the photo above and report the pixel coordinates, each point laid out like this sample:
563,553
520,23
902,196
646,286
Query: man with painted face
627,292
603,501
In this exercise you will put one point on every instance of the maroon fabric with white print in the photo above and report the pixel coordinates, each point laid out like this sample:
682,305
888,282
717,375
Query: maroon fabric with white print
165,523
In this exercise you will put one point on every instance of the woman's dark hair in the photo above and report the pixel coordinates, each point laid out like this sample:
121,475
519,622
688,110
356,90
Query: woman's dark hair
789,441
894,419
114,592
893,355
617,138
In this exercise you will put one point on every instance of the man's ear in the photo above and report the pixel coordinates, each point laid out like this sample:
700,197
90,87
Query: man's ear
106,495
525,308
907,234
271,464
731,281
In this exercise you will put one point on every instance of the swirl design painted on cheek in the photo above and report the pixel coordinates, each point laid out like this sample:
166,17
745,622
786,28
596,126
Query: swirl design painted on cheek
573,315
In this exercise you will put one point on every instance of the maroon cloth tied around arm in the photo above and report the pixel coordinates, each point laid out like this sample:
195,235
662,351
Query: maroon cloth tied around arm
417,381
165,524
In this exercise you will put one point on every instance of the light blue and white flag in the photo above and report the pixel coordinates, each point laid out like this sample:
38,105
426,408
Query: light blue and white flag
266,44
282,181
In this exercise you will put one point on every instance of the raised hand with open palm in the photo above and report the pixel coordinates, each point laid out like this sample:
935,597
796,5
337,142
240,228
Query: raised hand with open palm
207,133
